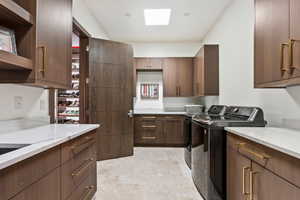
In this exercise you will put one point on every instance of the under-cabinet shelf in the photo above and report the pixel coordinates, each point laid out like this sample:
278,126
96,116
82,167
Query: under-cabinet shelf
12,13
9,61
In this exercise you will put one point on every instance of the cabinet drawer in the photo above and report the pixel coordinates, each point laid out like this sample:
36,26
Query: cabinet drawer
77,170
147,120
281,164
173,117
18,177
86,190
76,146
148,131
48,188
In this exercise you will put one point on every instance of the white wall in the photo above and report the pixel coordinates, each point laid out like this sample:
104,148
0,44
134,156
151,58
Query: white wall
188,49
82,14
152,78
234,32
35,102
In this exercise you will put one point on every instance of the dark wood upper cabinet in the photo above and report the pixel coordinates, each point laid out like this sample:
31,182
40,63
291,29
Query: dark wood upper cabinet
178,77
206,71
43,32
54,42
295,37
271,38
277,46
185,77
148,63
170,78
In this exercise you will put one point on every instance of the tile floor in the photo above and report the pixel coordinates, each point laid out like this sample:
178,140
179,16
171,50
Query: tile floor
151,174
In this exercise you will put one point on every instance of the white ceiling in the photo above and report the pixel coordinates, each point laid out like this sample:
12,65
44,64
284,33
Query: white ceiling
111,14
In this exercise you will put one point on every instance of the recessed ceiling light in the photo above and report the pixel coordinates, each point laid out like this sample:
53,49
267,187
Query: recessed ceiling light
157,17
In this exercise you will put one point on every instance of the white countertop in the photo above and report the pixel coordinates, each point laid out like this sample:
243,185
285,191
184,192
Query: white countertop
281,139
40,139
157,112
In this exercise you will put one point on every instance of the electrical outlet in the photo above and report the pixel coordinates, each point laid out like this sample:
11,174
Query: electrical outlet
18,102
42,105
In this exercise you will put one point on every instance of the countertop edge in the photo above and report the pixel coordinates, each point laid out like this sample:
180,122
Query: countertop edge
44,146
264,143
159,113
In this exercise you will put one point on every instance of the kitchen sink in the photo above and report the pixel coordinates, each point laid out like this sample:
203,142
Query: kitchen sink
6,148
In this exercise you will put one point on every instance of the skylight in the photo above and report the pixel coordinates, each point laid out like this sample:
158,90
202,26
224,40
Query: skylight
157,17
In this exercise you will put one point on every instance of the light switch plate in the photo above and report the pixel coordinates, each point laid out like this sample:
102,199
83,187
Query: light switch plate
18,102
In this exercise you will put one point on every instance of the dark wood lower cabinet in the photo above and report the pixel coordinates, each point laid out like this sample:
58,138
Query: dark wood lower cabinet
66,172
48,188
267,186
173,130
159,130
237,166
256,172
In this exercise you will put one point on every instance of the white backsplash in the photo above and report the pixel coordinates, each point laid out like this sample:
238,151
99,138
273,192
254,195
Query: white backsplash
7,126
18,101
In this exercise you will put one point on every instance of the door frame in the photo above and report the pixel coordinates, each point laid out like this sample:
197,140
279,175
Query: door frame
84,36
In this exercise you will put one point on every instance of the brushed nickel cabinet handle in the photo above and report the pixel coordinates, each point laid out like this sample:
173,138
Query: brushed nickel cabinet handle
43,69
282,67
89,192
85,166
179,91
244,180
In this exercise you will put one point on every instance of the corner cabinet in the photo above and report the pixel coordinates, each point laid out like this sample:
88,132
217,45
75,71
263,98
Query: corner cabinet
277,43
174,130
256,172
159,130
206,71
65,172
43,43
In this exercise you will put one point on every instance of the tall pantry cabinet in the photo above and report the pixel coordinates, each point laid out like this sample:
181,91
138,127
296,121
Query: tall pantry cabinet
277,46
43,31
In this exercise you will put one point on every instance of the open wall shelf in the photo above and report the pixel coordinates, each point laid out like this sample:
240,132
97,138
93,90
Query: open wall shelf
9,61
12,13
